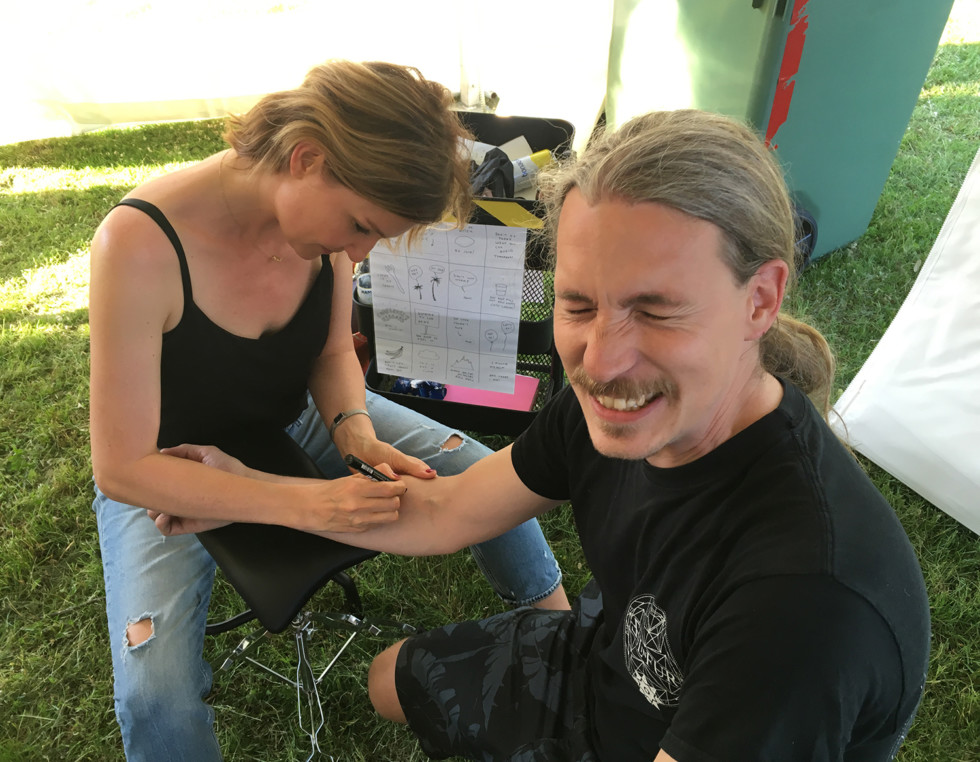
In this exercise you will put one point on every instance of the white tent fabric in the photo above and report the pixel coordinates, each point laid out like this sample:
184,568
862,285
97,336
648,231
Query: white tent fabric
75,65
914,407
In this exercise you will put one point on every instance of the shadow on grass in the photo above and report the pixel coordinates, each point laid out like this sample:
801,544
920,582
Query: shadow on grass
954,64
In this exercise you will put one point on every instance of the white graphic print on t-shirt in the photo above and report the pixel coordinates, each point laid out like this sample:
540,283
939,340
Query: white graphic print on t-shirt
647,652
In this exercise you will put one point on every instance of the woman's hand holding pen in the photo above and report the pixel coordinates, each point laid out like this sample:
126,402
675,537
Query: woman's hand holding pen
355,504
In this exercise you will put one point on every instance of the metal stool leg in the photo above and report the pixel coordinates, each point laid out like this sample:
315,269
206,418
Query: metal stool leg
309,704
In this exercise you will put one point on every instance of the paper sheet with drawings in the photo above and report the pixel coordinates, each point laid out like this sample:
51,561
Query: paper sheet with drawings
449,308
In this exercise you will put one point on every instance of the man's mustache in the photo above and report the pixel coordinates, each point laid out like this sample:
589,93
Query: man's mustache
621,388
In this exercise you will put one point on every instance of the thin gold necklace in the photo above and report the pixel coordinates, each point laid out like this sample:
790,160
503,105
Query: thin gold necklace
224,197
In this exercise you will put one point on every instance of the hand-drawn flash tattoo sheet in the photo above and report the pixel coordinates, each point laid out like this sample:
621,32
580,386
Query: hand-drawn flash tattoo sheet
449,307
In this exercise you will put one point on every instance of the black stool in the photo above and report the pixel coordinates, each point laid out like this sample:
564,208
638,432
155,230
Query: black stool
276,570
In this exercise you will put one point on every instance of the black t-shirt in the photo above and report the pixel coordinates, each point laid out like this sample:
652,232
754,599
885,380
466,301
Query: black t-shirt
760,603
214,384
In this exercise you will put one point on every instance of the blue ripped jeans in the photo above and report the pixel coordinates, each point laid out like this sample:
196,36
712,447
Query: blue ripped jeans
161,684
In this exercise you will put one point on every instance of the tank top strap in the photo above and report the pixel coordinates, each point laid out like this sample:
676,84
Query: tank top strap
164,224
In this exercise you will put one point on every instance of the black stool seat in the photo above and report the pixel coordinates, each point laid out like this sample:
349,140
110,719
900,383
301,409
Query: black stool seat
276,569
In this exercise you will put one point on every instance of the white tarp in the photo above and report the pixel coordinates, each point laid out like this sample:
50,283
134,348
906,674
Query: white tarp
75,65
914,407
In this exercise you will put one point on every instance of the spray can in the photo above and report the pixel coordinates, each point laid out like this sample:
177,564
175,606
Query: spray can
526,168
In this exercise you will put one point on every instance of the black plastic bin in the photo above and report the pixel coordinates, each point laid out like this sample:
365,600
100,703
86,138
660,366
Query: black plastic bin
556,135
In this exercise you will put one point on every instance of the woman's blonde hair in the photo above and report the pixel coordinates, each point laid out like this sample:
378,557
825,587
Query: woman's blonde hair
387,133
716,169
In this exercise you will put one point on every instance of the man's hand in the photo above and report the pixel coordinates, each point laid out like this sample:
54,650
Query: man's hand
170,526
209,456
174,525
354,504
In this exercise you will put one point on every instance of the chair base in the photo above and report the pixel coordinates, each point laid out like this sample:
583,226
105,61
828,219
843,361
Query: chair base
308,701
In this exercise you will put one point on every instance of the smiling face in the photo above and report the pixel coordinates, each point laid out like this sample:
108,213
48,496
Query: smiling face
318,215
658,339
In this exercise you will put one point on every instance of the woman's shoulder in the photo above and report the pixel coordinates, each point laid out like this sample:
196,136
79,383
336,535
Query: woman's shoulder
174,199
132,255
128,233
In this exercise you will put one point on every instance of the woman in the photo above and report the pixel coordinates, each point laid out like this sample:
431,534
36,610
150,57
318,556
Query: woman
221,298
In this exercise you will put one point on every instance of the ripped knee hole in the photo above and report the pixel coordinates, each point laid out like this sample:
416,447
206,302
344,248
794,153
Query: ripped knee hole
452,443
139,632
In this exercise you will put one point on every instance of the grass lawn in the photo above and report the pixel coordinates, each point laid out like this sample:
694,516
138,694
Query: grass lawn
55,676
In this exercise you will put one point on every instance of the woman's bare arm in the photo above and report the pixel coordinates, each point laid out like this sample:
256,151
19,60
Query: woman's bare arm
337,384
135,295
437,515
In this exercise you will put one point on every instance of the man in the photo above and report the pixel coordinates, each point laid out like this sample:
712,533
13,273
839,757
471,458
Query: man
754,597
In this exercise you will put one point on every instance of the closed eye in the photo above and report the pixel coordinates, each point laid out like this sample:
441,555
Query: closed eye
577,309
573,303
654,307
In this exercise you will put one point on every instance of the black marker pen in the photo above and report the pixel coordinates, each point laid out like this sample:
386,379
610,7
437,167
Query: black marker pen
363,468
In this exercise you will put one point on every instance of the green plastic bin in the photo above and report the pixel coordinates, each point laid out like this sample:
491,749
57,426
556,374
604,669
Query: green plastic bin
831,84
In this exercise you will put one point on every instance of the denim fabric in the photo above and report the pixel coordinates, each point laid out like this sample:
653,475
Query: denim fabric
160,685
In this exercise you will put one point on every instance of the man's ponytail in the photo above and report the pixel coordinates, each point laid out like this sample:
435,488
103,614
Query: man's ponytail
799,353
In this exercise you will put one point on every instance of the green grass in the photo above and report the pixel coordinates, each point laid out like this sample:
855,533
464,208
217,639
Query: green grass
55,676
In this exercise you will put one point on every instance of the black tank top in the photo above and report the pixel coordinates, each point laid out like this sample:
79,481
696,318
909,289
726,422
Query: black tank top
214,383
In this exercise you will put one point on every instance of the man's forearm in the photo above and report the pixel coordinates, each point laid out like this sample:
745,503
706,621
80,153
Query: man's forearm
425,526
448,513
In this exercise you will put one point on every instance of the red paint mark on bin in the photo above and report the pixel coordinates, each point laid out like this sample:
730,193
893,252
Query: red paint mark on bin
788,69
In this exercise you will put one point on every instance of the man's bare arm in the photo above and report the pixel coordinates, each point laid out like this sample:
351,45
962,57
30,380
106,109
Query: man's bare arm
448,513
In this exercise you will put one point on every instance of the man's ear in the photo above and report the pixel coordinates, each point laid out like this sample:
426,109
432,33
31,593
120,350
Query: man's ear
305,158
765,291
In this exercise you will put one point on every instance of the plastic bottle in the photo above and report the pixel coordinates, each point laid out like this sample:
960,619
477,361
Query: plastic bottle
526,168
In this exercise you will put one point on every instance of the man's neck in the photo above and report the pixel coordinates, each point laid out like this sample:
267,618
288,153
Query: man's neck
759,396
